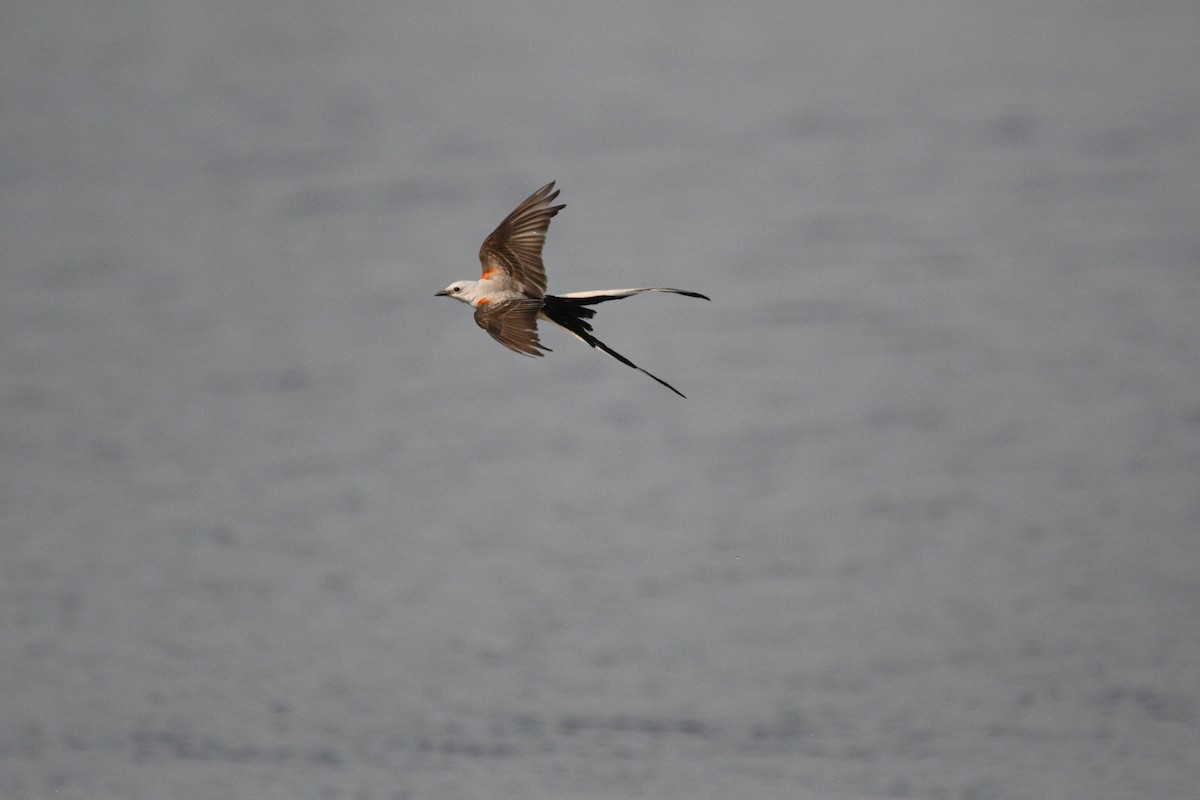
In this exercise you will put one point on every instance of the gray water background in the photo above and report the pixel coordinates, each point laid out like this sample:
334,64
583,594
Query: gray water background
277,523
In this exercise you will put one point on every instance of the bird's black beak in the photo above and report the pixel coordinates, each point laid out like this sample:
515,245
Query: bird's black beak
441,293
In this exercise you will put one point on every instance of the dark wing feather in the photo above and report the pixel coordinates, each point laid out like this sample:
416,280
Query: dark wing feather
512,323
515,247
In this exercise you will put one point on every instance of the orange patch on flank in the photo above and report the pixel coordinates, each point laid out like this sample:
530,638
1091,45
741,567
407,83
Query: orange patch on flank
487,273
483,301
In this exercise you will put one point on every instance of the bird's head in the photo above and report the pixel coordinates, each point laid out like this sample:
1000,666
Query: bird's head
459,290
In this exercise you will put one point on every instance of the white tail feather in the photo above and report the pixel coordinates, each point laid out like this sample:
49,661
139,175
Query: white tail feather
615,293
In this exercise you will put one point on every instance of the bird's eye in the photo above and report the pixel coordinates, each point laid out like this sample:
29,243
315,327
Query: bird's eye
456,289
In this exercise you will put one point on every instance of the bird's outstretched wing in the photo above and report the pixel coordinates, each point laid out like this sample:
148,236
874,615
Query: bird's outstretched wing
515,247
512,323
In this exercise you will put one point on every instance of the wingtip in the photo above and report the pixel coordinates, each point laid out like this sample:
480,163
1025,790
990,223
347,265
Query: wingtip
546,196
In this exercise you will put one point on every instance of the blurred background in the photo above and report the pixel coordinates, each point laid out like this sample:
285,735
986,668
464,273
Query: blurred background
275,522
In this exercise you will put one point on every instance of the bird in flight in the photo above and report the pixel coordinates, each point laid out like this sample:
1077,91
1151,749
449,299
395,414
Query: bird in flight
510,297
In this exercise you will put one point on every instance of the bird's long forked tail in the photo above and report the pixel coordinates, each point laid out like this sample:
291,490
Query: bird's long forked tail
572,312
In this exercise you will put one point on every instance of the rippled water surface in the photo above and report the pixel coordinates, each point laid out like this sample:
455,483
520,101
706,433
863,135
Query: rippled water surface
275,522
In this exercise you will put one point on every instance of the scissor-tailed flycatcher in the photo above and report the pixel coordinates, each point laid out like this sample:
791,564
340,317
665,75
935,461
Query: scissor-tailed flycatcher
510,297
